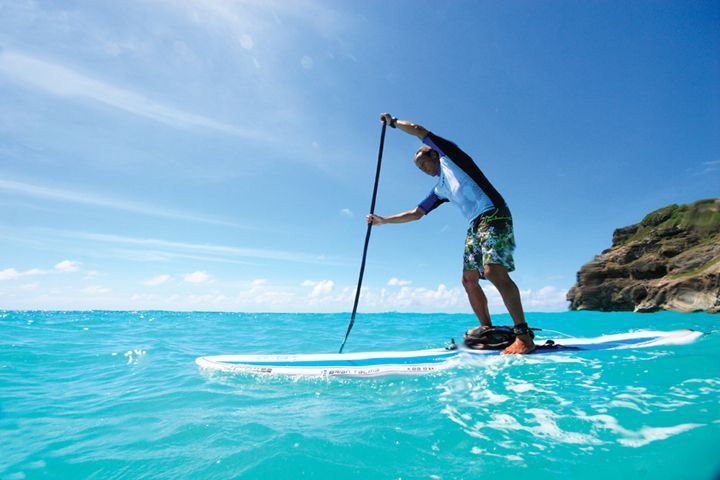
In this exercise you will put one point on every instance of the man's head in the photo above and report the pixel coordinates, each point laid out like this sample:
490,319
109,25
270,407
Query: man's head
428,160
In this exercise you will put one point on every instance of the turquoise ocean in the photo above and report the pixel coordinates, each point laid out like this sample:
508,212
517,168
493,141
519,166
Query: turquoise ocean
117,395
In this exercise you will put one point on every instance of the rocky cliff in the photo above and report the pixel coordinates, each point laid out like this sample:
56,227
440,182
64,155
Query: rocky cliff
668,261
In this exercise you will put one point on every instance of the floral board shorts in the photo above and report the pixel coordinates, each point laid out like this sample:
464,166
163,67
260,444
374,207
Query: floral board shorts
490,239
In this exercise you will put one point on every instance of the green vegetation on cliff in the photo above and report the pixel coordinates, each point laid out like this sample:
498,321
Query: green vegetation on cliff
702,217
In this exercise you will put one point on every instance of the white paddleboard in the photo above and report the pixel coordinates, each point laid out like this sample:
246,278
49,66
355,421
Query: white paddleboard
373,364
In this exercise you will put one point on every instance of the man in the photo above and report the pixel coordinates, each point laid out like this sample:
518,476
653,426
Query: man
490,239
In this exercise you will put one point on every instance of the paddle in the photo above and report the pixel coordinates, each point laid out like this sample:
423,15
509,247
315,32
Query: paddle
367,236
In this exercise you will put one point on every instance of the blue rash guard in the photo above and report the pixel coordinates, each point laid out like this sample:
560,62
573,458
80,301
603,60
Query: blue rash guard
461,182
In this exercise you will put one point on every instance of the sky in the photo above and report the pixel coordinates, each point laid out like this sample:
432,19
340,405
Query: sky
220,155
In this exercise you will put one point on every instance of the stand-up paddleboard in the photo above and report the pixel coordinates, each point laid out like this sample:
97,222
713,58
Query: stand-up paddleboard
373,364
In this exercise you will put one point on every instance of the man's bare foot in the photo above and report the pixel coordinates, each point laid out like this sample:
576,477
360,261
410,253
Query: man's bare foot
522,344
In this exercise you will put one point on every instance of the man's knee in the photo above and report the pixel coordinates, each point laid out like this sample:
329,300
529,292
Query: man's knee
470,279
497,274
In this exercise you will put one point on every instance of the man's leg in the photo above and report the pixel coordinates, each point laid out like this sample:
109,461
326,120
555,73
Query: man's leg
478,300
498,276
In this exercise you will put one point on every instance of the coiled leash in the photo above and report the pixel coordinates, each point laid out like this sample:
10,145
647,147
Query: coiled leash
497,338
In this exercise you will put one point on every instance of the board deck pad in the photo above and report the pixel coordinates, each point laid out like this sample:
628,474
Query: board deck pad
373,364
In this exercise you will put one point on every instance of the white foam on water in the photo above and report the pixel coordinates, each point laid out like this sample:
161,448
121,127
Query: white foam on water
626,404
504,421
475,431
648,435
454,415
479,391
642,437
705,386
521,387
646,402
495,398
482,451
561,401
548,427
554,359
135,355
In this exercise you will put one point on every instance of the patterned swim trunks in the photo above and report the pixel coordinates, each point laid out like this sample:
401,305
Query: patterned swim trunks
490,239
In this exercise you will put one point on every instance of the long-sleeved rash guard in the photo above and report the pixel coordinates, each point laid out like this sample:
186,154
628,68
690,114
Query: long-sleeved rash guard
461,182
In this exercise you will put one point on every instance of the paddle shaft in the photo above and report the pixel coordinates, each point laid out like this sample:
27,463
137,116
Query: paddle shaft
367,237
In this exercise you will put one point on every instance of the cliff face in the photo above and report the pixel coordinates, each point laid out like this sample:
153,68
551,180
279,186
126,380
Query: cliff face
668,261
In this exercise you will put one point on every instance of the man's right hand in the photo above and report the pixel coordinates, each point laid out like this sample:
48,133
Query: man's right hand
386,118
404,125
375,219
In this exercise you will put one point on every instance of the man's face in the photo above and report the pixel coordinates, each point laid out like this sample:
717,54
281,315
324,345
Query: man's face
428,163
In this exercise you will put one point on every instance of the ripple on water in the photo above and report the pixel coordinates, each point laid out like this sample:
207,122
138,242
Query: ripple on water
69,405
497,407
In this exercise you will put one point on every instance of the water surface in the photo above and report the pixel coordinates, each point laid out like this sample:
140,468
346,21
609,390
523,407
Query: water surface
117,395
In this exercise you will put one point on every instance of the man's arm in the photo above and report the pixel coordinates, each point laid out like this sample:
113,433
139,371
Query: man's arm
407,127
404,217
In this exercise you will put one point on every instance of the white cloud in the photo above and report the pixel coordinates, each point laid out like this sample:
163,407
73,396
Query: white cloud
62,81
418,299
260,41
192,250
229,17
9,274
68,266
422,299
546,299
158,280
263,297
90,274
321,287
711,166
49,193
259,295
346,212
306,62
196,277
396,282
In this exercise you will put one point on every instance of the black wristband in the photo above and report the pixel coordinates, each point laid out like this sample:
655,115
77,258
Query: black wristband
393,122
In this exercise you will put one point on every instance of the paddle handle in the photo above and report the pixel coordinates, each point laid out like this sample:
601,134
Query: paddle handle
367,236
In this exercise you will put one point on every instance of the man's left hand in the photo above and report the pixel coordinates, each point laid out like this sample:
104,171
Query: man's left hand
375,219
